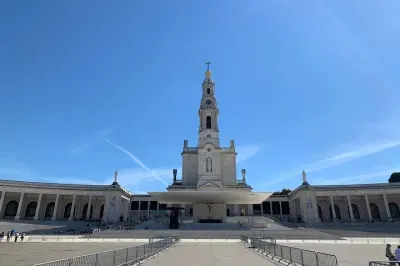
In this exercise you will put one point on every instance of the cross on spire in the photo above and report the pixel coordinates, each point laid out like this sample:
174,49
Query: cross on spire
208,63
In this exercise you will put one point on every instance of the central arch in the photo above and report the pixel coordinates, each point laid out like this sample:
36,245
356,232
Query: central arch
374,211
31,209
49,210
320,213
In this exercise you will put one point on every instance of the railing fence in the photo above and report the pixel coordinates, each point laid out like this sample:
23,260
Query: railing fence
291,254
384,263
117,257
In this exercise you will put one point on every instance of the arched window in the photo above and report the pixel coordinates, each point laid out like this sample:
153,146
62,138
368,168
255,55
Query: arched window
356,212
337,212
101,211
374,211
208,91
320,213
208,122
84,214
11,209
67,210
49,210
30,209
394,210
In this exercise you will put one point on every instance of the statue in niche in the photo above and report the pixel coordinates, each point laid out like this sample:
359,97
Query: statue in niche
209,165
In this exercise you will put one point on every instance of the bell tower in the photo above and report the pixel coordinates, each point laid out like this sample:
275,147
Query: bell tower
208,113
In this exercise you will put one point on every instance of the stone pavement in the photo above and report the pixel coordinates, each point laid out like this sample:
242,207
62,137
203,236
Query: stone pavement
200,254
24,254
349,254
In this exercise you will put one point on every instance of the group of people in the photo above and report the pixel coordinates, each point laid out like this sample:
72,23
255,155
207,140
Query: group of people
394,257
12,235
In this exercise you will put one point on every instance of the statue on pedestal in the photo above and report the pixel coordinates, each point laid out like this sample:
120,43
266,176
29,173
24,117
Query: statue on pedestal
244,176
174,172
232,144
185,144
304,176
116,176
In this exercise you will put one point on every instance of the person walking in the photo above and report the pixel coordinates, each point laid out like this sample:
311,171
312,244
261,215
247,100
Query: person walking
389,254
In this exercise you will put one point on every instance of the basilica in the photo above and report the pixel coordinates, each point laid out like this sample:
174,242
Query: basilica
208,190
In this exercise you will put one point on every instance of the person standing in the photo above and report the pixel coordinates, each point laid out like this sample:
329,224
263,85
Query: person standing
16,237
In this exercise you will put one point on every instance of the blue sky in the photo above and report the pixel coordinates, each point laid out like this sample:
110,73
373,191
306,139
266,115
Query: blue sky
308,85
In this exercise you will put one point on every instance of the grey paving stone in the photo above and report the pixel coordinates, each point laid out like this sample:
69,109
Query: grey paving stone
201,254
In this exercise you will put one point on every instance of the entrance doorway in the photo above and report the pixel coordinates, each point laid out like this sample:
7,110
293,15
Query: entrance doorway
228,212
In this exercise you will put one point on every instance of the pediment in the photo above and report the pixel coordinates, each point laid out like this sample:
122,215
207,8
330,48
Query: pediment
209,185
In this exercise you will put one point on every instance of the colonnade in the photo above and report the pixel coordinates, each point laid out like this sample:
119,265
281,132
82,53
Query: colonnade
58,206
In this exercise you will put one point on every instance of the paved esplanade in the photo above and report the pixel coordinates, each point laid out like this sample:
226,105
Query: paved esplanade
200,254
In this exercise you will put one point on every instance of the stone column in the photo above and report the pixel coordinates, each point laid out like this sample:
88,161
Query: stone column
368,208
21,201
54,217
350,209
270,207
71,216
105,210
88,208
126,212
250,209
333,209
262,209
3,195
148,209
236,210
387,207
184,210
158,207
37,211
140,202
280,209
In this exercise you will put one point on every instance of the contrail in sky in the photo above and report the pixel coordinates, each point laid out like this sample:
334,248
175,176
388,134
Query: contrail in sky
139,162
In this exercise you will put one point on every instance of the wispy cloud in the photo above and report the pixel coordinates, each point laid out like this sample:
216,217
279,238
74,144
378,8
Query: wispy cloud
246,152
336,160
361,152
139,162
91,140
358,178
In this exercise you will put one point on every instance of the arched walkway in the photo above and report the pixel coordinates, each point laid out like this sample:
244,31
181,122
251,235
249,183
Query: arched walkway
67,211
31,209
49,210
101,211
374,211
320,213
356,211
337,212
11,209
85,207
394,210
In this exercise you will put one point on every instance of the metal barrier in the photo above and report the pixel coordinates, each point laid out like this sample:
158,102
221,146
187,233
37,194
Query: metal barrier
384,263
291,254
117,257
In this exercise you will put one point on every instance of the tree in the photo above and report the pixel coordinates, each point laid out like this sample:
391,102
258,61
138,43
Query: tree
394,178
284,192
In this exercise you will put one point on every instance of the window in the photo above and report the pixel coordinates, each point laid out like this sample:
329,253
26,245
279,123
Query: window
208,91
208,122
